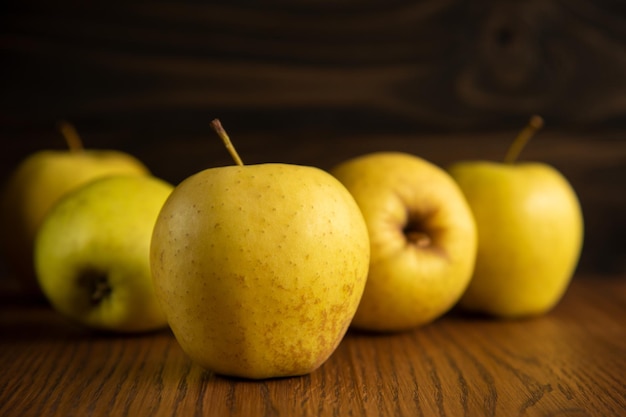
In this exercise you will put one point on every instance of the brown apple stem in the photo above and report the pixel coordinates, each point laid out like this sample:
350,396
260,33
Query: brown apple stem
534,124
217,126
74,143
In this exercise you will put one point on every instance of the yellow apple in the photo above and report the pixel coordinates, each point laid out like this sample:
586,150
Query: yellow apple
260,268
422,236
530,233
37,183
92,253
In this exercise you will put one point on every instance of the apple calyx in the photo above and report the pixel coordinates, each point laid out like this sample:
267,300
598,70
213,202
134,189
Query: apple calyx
97,285
534,124
217,126
415,235
74,143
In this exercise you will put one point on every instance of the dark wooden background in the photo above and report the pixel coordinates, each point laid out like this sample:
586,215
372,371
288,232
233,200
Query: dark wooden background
316,82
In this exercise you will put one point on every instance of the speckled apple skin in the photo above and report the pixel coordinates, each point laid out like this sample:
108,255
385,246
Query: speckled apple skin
260,268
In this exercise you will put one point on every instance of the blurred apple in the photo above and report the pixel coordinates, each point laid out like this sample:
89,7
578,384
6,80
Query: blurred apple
259,268
92,253
37,183
422,234
530,232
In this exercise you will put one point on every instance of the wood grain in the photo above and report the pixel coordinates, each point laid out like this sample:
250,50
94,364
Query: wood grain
570,362
346,65
314,82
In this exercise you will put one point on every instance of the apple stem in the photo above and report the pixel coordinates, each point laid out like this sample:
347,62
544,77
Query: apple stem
534,124
74,143
217,126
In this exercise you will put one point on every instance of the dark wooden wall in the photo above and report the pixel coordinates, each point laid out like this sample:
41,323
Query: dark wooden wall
436,64
317,81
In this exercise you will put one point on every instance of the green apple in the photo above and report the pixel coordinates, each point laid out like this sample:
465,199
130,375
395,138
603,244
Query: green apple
92,253
422,236
259,268
530,233
37,183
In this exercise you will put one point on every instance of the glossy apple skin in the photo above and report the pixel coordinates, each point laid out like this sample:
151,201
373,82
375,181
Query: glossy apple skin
35,186
530,234
100,234
260,268
410,284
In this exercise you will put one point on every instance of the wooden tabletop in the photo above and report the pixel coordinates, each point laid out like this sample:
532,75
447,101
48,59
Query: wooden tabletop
570,362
